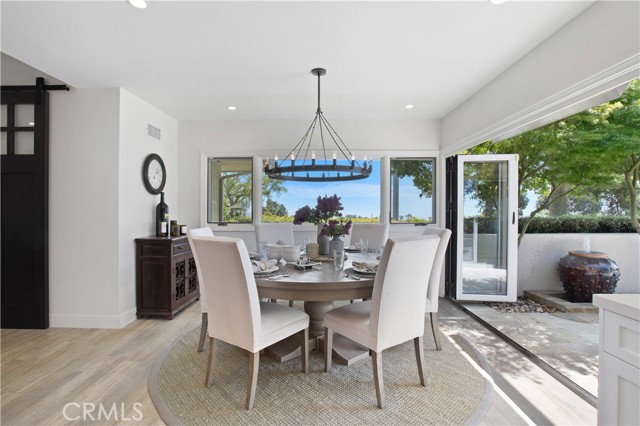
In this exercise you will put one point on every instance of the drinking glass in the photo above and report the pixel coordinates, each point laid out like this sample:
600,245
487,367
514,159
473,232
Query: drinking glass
262,250
338,260
364,244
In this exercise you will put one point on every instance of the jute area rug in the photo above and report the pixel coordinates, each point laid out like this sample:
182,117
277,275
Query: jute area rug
456,392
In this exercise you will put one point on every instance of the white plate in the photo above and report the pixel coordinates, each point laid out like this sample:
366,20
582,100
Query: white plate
363,271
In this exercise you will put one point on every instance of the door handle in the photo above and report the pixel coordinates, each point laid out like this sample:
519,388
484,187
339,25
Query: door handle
513,218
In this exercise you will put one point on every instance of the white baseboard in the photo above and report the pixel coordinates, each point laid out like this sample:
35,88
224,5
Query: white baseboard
92,321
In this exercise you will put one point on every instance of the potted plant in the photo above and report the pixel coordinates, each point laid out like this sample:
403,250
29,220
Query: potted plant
326,208
336,229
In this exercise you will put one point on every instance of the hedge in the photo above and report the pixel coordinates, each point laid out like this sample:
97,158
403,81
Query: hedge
579,224
560,225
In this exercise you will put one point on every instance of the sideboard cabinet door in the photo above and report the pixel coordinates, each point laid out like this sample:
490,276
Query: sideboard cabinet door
166,277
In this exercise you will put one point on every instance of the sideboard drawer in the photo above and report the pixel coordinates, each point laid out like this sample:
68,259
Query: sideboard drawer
622,337
181,248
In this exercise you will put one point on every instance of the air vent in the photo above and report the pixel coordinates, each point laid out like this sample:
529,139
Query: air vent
153,131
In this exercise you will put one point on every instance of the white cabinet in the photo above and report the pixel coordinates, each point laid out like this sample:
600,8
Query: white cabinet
619,363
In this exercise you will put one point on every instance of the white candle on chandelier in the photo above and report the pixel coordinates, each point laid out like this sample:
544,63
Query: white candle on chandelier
334,158
293,158
353,160
313,158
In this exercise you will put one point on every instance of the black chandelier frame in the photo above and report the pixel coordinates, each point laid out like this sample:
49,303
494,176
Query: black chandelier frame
323,169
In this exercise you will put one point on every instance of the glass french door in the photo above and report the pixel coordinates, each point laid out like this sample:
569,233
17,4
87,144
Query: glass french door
487,224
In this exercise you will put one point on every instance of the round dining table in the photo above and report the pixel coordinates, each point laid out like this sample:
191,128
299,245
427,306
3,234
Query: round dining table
319,287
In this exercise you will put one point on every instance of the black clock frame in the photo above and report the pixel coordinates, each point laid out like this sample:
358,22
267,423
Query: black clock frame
145,174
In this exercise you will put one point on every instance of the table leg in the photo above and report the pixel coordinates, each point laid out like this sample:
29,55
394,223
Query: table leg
289,348
345,351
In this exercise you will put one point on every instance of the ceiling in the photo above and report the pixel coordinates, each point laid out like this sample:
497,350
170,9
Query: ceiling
193,59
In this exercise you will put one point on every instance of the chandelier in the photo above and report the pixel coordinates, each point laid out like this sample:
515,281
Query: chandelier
302,165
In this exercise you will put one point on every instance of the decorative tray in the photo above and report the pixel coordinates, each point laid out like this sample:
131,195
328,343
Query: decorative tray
325,258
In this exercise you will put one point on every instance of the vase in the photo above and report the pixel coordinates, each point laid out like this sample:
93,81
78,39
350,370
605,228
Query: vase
584,273
323,242
336,244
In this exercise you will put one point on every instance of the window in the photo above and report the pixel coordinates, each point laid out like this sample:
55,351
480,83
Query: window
413,190
360,198
230,190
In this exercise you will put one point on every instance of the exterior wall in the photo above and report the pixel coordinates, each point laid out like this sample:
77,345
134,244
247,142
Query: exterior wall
539,254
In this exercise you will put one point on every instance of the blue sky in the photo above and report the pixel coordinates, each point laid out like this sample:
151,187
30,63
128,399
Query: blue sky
359,197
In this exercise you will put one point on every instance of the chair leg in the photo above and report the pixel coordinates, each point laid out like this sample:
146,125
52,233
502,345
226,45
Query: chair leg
376,360
436,330
203,332
254,362
418,343
304,344
213,352
328,349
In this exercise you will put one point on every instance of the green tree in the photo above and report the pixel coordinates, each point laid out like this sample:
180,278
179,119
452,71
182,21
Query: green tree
616,125
275,208
592,148
420,170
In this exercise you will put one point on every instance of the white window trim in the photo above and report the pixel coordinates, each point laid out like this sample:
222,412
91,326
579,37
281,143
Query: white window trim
385,186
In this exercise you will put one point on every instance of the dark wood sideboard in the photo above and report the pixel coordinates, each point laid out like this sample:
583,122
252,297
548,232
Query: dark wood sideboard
166,277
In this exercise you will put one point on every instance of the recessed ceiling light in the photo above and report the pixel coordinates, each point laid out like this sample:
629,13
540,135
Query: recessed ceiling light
140,4
231,108
497,1
31,123
408,106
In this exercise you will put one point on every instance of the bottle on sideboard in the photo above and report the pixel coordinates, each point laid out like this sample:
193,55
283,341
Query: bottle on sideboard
162,217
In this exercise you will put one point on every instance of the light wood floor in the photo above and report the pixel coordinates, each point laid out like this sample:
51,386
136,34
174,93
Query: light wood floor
42,370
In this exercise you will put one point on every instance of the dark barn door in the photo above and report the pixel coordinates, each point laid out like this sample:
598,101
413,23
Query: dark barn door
25,170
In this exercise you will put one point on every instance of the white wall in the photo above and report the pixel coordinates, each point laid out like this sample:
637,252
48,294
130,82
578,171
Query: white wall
268,137
83,208
539,254
98,204
598,50
136,205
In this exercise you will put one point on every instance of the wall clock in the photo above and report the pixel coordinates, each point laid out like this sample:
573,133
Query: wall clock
154,174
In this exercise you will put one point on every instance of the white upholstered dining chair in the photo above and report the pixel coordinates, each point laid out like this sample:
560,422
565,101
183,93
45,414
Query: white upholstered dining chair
375,233
433,291
395,313
200,232
274,232
236,316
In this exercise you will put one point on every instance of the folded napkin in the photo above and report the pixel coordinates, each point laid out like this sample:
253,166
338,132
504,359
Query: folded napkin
259,266
366,266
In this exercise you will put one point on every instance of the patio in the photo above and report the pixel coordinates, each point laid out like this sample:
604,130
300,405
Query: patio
567,341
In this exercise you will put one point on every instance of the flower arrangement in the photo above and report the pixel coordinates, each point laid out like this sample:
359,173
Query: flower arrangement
326,208
336,228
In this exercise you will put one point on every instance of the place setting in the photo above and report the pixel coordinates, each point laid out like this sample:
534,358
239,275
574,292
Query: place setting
270,268
362,270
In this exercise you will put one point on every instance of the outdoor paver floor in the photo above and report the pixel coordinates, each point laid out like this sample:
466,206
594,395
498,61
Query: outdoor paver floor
566,341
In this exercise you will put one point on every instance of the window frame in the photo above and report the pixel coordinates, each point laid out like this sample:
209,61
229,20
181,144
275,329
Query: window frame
208,201
385,186
434,192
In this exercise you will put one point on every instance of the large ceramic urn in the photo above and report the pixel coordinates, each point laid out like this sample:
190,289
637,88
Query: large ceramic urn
584,273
